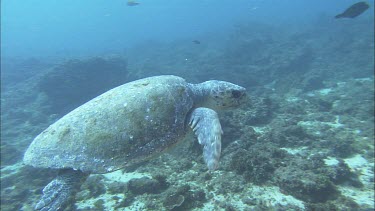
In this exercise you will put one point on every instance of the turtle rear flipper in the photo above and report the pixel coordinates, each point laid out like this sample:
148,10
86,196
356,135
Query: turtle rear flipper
61,190
206,126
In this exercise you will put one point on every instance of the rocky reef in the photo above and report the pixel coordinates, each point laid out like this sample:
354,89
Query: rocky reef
303,141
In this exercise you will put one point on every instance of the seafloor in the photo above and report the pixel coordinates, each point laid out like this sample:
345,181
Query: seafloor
303,141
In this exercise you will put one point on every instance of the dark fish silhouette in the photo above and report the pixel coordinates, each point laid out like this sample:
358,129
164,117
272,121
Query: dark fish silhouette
196,42
132,3
354,10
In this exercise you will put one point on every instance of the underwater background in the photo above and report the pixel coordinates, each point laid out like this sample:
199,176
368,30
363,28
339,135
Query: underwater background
303,141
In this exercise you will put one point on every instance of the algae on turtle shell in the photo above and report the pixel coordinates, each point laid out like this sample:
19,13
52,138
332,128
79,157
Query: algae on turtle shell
127,125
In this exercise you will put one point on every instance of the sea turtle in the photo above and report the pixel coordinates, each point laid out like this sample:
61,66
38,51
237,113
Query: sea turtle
127,125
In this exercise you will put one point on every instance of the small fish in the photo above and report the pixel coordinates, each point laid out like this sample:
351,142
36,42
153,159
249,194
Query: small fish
132,3
196,42
354,10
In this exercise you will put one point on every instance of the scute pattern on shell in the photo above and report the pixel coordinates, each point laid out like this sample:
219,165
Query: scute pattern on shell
125,125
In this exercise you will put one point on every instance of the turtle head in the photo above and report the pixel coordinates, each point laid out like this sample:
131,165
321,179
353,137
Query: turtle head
222,94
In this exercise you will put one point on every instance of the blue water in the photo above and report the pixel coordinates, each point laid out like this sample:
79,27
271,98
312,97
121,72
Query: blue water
90,27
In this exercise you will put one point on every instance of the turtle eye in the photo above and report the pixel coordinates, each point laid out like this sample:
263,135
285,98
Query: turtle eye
236,93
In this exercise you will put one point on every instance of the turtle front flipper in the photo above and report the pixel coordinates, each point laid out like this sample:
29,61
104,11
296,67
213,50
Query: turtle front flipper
206,126
61,190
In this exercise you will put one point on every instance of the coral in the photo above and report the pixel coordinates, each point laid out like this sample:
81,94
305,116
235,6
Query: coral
95,186
174,201
286,132
183,198
18,186
258,111
305,185
162,179
145,185
313,82
343,147
341,203
341,174
117,187
99,204
255,166
125,202
305,179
